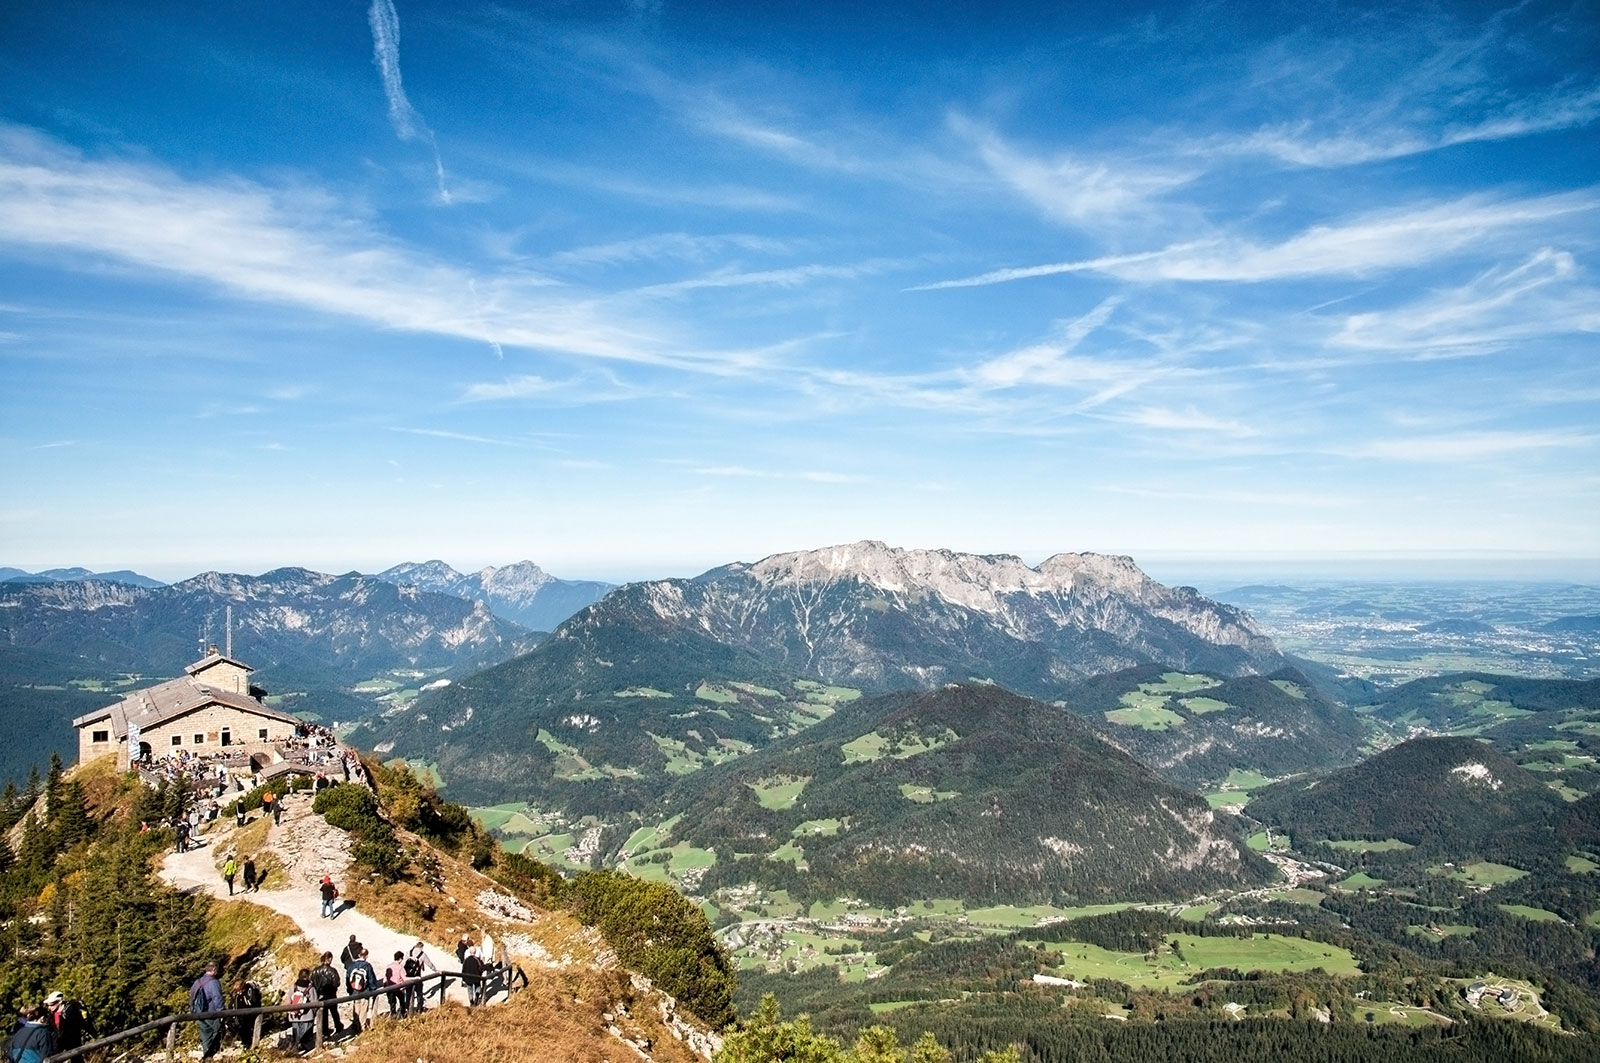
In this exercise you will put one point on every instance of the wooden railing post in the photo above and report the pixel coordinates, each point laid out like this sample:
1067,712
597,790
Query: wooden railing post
172,1043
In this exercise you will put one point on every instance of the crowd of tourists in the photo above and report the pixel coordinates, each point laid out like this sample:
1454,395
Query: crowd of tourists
58,1024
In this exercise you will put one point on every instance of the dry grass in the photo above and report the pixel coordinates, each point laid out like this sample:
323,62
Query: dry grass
251,938
561,1016
401,904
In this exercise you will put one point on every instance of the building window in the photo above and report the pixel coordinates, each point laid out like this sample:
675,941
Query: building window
262,734
100,736
177,740
199,740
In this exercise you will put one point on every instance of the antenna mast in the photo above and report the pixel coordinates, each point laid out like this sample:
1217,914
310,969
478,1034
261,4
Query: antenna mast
227,634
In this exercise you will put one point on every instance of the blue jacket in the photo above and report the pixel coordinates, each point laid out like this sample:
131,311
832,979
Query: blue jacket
206,994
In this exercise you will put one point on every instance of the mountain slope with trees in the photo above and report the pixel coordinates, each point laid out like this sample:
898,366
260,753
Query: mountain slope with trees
968,791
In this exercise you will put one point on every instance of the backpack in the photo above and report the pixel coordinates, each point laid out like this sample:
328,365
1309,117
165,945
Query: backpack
28,1045
413,967
357,981
299,996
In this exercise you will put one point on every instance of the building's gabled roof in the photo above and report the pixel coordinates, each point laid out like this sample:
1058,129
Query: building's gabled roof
215,658
167,701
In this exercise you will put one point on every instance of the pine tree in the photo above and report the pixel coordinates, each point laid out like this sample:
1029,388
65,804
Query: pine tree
73,824
10,805
30,792
38,851
52,787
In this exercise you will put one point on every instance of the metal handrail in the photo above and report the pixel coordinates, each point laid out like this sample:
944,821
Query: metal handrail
171,1022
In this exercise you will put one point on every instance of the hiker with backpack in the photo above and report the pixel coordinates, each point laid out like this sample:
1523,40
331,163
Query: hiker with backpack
252,884
300,1020
329,893
325,980
69,1023
417,965
359,977
229,869
206,995
33,1040
245,995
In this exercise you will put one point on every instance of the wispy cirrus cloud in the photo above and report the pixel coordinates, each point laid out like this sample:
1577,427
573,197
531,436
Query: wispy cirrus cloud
292,246
408,124
790,277
1301,144
1188,419
1089,192
1540,296
682,246
521,387
1371,243
1470,446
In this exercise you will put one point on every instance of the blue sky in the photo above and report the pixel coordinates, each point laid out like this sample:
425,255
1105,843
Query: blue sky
636,289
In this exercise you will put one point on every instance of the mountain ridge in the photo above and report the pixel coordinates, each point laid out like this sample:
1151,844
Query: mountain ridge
844,613
521,592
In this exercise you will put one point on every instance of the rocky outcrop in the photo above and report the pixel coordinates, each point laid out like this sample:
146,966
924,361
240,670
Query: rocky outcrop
870,615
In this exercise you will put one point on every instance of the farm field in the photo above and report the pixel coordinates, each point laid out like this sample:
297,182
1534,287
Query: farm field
1361,845
1482,873
1169,969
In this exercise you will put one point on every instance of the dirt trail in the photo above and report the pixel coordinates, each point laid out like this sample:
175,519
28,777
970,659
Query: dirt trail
309,848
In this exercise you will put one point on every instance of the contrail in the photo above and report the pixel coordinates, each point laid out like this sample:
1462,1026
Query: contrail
408,124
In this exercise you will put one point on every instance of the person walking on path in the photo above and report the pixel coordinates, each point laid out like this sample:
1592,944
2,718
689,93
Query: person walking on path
472,977
325,980
394,975
67,1021
418,964
230,868
245,995
300,1021
251,883
32,1041
350,954
329,893
359,977
206,995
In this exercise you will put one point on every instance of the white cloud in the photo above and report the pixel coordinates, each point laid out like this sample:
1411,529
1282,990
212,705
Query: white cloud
1084,191
520,387
1469,446
295,247
1371,243
790,277
408,124
1540,296
1189,419
684,246
1299,145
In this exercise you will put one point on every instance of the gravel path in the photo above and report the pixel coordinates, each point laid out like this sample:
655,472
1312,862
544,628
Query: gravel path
309,848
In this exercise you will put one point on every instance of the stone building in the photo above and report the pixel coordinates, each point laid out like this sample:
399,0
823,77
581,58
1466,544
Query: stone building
208,709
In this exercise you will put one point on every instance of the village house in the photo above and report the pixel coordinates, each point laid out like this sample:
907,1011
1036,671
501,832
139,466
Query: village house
209,709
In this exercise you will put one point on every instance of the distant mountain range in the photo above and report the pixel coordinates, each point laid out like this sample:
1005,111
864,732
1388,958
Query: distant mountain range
523,592
65,644
76,575
870,615
627,688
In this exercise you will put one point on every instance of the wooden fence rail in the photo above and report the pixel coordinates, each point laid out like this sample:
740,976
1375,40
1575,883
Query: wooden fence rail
490,985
